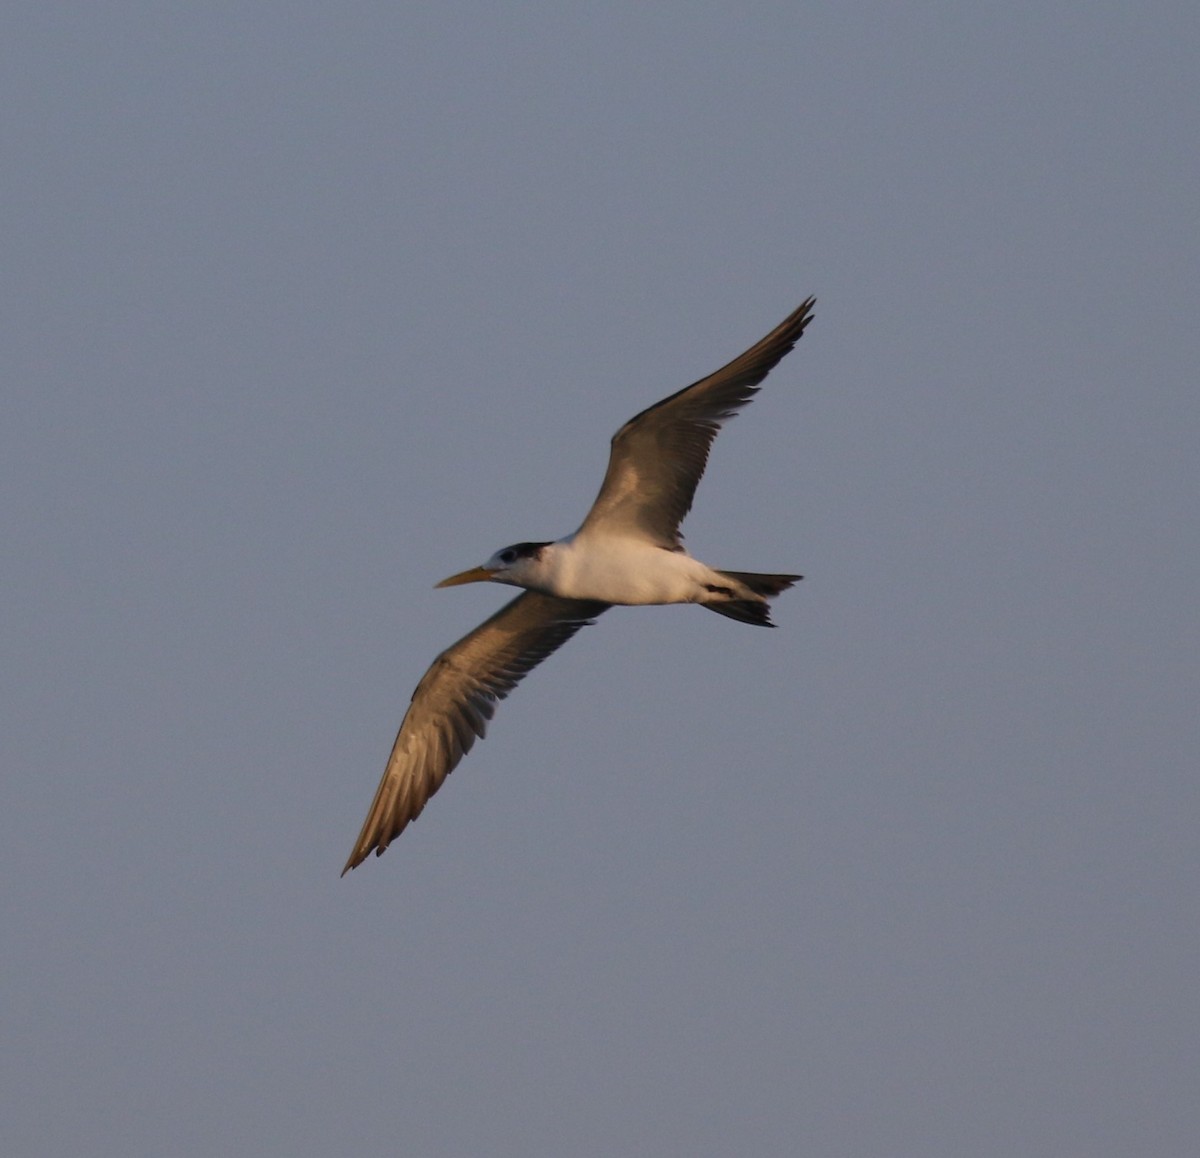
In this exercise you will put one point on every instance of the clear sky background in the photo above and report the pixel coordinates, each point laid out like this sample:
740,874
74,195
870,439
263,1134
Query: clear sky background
307,306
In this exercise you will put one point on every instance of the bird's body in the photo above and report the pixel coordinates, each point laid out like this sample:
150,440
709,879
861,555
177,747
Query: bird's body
619,569
627,551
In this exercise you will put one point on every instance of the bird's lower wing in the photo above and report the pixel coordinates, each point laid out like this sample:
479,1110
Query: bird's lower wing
454,701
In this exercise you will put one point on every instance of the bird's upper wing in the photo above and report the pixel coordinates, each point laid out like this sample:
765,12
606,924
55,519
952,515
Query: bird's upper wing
658,456
456,698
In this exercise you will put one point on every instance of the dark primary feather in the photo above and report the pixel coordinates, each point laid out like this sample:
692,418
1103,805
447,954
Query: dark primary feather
454,701
658,456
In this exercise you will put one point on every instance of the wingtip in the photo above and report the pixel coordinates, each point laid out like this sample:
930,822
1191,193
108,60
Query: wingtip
356,858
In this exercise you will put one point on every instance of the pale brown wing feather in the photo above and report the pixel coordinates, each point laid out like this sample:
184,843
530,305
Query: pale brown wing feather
454,701
659,455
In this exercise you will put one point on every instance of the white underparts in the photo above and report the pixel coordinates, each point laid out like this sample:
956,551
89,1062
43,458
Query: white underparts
625,571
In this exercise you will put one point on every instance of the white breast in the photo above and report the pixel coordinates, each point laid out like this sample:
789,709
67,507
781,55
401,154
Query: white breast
622,570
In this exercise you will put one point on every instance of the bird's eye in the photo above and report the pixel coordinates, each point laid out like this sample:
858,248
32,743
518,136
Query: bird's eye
508,556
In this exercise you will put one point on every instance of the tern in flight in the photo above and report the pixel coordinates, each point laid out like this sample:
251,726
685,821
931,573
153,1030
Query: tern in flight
627,551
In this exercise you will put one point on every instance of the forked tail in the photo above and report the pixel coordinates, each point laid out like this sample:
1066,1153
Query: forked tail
746,597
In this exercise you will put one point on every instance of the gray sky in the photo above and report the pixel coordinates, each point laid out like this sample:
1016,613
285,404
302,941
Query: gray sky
307,306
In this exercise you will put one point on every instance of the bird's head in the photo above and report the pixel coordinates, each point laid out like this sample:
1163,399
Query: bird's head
516,565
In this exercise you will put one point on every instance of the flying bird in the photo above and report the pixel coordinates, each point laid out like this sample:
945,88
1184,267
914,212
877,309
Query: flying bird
627,551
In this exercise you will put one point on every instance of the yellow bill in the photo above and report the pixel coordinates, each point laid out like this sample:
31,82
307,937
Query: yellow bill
474,575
